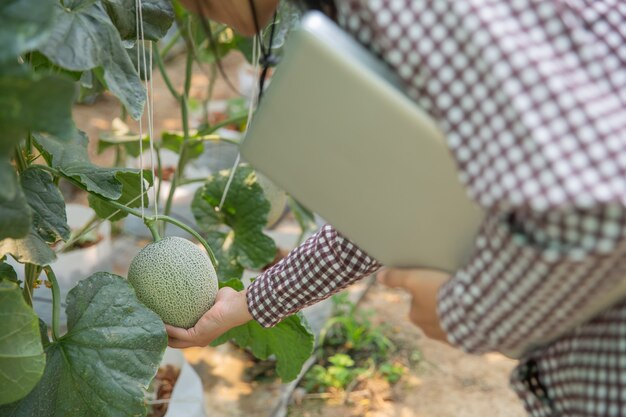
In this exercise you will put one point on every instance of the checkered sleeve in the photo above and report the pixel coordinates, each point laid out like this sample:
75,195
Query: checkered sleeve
324,264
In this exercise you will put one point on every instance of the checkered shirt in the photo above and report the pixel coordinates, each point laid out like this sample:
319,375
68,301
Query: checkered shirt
532,98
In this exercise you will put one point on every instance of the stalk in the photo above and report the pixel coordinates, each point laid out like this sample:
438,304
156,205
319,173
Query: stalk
170,44
56,303
151,224
166,78
20,161
31,272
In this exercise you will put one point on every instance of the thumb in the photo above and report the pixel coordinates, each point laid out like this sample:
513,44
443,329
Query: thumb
397,278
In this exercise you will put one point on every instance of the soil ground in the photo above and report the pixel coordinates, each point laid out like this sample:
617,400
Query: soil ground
445,382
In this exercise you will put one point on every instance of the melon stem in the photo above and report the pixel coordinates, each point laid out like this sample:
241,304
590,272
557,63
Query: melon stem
151,224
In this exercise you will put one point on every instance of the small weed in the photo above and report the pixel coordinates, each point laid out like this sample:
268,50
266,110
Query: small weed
352,348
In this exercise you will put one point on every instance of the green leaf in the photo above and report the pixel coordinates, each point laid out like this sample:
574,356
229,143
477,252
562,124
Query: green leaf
7,272
174,142
109,355
23,25
30,249
22,359
84,38
73,161
131,189
227,265
291,342
35,102
47,204
15,215
245,211
121,135
157,17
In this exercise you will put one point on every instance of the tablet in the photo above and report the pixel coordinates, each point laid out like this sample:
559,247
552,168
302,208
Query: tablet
336,131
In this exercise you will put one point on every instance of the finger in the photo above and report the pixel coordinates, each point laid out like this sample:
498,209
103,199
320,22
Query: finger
178,333
398,278
177,344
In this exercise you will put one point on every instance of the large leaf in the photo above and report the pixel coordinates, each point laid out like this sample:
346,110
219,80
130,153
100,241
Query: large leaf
84,38
23,25
291,341
157,17
131,189
30,249
108,356
28,102
245,211
35,102
15,215
117,184
47,204
22,359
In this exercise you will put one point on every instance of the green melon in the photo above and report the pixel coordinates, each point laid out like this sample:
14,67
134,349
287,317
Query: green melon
175,279
276,196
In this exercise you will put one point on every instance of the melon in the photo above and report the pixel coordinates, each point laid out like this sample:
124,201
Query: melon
276,196
175,279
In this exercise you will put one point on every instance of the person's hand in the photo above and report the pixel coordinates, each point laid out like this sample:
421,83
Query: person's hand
235,13
230,310
423,285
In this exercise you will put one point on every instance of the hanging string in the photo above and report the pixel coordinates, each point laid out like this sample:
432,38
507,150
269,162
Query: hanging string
139,44
256,49
147,72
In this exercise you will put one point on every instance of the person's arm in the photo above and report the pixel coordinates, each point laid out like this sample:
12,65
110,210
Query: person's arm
323,265
235,13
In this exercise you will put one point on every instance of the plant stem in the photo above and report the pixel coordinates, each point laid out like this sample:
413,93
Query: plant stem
56,302
195,234
152,225
170,44
188,69
83,230
233,120
20,161
166,78
182,160
31,272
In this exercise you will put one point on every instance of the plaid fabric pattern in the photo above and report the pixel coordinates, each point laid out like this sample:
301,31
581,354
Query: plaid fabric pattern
532,98
323,265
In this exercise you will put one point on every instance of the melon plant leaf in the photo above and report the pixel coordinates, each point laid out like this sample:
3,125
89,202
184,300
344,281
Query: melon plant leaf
47,204
30,249
131,189
84,38
291,341
15,215
175,141
108,356
22,359
29,102
23,25
117,184
245,211
227,265
158,16
7,272
34,102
